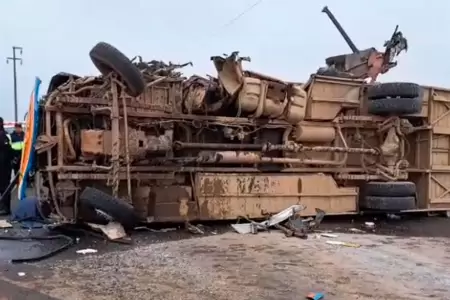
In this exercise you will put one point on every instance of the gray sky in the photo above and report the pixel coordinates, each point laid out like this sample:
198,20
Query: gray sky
285,38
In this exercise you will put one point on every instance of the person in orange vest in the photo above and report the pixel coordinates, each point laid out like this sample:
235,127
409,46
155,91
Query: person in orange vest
5,170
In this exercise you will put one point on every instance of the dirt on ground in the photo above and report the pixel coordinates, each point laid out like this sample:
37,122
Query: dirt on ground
404,259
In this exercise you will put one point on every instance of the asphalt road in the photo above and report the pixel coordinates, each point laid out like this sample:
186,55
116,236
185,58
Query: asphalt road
9,291
399,259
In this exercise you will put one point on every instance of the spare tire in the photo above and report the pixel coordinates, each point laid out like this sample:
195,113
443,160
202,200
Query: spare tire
107,59
390,188
395,106
393,90
388,204
120,210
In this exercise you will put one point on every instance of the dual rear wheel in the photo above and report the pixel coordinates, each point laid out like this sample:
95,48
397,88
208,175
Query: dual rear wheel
388,196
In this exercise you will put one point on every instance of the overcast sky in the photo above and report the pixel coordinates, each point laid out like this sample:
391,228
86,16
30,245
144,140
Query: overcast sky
285,38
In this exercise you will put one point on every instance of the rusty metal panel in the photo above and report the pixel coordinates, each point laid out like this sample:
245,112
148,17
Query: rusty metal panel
171,203
141,197
95,142
327,96
229,196
163,97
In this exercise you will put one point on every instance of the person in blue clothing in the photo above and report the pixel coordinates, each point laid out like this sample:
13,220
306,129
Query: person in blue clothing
5,170
17,137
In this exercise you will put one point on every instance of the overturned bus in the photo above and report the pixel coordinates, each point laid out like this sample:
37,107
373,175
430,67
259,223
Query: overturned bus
143,143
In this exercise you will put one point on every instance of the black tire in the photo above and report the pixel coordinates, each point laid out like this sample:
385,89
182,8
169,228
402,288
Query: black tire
388,203
390,189
395,106
107,59
89,215
394,89
118,209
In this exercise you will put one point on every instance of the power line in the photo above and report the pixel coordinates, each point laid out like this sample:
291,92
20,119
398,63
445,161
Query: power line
14,59
230,22
248,9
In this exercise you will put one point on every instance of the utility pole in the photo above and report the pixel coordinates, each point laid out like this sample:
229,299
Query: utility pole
14,59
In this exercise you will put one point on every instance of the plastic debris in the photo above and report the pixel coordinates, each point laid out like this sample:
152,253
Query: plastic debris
315,296
393,217
86,251
369,225
340,243
5,224
21,274
356,230
329,235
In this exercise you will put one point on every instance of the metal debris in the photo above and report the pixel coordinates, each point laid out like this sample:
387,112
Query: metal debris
112,230
282,216
245,228
159,68
295,226
194,229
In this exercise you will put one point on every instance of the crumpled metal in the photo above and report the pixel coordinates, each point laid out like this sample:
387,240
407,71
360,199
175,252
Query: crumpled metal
253,227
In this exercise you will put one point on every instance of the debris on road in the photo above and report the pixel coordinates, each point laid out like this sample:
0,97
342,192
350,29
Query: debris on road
245,228
21,274
346,244
253,227
17,242
113,230
156,230
393,217
369,225
194,229
293,226
292,231
5,224
86,251
356,230
315,296
329,235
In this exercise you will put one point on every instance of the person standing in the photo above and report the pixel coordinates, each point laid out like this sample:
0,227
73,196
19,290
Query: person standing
17,137
5,170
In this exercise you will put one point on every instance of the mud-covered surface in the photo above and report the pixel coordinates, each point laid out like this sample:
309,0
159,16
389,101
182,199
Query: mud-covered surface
401,259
